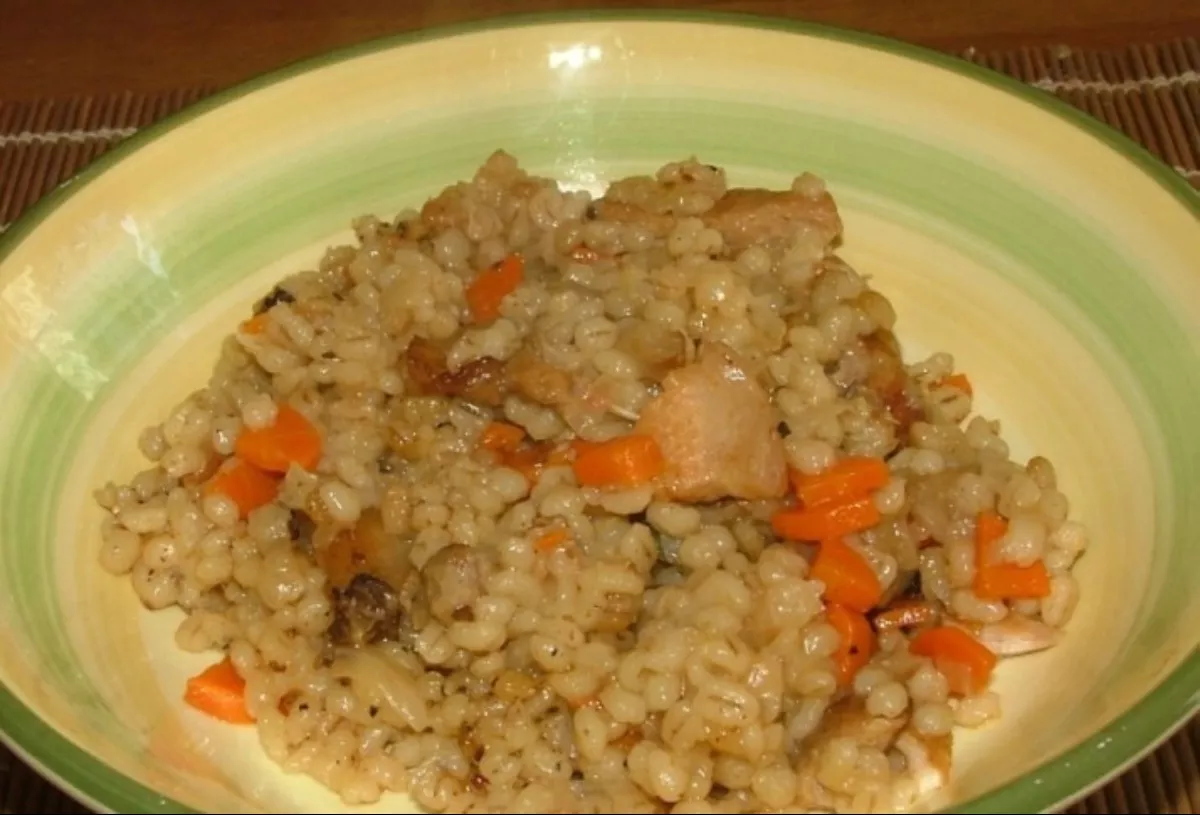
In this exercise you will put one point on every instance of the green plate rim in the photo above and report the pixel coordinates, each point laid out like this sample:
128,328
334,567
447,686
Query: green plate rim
1119,744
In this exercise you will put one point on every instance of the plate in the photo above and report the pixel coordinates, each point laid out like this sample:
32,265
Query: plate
1057,260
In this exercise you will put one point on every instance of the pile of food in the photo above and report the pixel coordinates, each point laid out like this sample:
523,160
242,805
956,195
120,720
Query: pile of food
534,502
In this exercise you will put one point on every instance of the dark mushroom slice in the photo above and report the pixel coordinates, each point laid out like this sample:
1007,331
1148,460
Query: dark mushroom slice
366,611
273,298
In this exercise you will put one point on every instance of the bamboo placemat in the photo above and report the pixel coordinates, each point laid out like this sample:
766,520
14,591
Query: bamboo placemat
1151,93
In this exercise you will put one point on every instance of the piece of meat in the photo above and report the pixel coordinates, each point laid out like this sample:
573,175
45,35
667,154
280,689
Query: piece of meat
483,380
848,719
658,350
425,364
452,580
718,432
888,381
658,224
748,216
538,381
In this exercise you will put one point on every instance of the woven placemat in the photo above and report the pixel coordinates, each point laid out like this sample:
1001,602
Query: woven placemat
1151,93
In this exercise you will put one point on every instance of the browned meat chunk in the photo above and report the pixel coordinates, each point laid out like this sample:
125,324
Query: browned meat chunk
657,349
483,380
747,217
889,382
658,224
848,719
718,432
538,381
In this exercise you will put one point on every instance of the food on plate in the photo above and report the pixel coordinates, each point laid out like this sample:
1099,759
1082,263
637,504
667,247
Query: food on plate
534,502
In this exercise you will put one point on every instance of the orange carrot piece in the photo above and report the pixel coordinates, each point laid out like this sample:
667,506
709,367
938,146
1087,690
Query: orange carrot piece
826,521
551,540
1009,581
856,644
488,290
581,446
966,663
501,437
245,485
627,461
905,614
220,692
292,439
1003,581
849,580
959,382
256,325
851,478
990,527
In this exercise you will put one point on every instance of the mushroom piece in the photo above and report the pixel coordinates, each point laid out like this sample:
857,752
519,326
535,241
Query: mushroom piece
366,611
1016,635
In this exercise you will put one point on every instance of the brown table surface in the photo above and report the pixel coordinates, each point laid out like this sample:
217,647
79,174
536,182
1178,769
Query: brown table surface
67,47
77,76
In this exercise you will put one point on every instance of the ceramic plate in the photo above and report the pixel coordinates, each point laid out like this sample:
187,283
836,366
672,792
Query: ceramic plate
1056,259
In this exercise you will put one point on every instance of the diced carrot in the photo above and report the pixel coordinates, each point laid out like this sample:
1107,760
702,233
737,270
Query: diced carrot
966,663
488,290
826,521
1008,581
501,437
244,484
959,382
551,540
851,478
1003,581
257,324
990,527
220,692
626,461
581,446
849,580
292,439
856,644
905,614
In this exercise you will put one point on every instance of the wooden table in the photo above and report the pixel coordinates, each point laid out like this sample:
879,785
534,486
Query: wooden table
73,47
